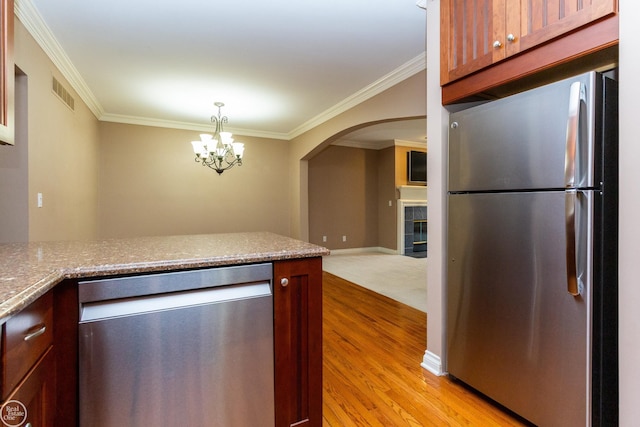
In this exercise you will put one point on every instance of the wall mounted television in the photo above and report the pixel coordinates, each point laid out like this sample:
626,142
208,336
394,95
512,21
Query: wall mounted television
417,167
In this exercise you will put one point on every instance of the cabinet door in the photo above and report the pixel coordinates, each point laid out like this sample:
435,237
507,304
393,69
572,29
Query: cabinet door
37,393
7,73
543,20
477,34
468,29
298,342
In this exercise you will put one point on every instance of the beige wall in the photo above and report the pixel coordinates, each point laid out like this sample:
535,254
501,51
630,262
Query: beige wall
343,197
387,218
14,177
352,192
149,184
73,158
62,151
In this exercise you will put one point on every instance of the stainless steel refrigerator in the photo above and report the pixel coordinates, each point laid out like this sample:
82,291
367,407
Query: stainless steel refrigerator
532,251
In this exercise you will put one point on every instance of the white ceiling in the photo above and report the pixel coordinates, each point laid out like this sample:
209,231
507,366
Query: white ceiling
280,66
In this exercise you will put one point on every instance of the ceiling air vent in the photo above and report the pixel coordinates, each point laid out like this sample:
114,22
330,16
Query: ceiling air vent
63,93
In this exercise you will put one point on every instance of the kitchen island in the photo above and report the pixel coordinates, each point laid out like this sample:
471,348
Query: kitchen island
47,274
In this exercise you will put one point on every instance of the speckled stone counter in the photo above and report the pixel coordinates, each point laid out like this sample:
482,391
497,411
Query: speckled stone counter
28,270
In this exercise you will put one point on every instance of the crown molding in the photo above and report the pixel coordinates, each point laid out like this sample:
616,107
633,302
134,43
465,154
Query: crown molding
171,124
408,69
27,13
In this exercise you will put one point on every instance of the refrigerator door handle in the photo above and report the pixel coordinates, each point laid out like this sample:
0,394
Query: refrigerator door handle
571,200
577,94
579,217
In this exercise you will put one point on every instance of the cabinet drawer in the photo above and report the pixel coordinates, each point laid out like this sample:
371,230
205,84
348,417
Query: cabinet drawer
25,337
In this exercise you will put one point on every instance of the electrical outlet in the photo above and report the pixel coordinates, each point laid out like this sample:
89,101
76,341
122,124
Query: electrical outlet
390,203
324,238
344,238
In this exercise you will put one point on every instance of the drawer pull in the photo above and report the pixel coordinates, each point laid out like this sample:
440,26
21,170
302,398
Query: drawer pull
39,330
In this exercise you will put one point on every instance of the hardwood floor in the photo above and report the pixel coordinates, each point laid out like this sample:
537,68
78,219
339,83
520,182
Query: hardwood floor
373,347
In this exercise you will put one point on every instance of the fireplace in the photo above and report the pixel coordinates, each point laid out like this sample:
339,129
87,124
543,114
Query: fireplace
415,231
412,220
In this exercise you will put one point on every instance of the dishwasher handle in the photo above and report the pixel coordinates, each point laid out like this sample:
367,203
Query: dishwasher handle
175,281
100,310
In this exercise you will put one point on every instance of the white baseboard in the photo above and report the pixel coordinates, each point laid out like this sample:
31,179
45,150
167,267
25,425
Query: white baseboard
432,363
353,251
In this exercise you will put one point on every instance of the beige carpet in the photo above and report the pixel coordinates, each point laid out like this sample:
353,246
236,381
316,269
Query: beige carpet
396,276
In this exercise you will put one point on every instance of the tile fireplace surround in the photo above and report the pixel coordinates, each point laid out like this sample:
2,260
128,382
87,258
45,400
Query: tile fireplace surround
411,215
412,205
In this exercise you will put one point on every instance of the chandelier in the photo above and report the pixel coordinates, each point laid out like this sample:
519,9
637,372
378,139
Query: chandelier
218,151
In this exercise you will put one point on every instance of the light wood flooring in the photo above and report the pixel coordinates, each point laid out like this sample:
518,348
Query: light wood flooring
373,347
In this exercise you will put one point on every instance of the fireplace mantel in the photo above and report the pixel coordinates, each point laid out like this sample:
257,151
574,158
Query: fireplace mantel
413,192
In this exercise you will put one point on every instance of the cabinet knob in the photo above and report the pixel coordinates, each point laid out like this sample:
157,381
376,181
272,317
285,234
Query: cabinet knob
511,38
497,44
284,282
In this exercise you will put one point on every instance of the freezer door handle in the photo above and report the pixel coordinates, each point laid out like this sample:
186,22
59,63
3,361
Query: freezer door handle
571,199
577,94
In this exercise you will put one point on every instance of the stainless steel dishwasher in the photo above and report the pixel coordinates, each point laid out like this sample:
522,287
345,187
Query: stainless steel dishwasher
190,348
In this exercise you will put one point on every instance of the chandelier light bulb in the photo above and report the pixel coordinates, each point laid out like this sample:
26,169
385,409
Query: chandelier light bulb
226,137
238,149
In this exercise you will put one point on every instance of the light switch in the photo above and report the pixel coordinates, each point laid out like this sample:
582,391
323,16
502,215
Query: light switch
39,200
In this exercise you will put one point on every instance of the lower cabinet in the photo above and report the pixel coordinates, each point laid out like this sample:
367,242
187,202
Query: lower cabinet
298,342
35,395
28,366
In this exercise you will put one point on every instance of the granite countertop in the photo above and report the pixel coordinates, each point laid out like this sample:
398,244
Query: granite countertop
29,270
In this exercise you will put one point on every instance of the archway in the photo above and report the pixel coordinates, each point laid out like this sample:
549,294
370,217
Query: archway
355,207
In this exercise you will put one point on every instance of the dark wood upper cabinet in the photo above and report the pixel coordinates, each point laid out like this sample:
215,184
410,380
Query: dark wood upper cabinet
541,21
7,74
481,37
